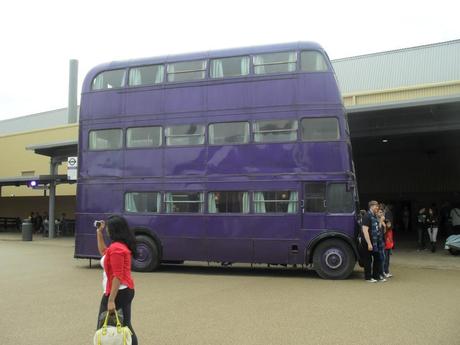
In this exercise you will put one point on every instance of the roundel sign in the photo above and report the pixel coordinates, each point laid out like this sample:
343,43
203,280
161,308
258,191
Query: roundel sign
72,166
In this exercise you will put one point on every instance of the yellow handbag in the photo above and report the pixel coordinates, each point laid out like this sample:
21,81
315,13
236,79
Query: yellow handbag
112,335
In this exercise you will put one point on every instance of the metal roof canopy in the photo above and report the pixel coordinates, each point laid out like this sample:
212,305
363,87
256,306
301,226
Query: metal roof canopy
40,179
57,151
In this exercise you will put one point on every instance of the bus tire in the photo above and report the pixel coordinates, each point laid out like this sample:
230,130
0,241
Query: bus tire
333,259
148,257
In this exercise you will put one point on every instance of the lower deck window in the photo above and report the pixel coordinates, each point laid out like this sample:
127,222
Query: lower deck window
228,202
142,202
184,202
275,202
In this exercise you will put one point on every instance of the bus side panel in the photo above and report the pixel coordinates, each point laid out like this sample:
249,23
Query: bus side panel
185,161
144,162
229,238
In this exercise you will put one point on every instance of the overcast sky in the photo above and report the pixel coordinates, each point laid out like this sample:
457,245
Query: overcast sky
39,37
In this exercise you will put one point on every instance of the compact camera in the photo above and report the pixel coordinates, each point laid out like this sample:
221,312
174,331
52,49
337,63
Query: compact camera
97,223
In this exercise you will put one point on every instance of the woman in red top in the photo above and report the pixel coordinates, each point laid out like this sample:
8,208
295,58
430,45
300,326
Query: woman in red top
389,244
118,285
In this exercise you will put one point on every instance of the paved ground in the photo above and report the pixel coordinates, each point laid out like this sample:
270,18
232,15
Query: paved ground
47,297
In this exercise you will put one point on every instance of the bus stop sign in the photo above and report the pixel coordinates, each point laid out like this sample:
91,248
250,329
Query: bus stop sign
72,166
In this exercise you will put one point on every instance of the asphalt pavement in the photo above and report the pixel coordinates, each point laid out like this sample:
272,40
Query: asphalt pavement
48,297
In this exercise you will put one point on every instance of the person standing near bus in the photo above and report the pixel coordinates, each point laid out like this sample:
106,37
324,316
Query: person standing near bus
117,282
371,245
432,221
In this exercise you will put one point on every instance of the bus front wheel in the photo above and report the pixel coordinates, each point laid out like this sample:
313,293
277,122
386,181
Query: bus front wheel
333,259
148,258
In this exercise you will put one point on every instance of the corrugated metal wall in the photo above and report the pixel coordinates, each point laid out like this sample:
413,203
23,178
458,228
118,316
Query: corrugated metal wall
436,63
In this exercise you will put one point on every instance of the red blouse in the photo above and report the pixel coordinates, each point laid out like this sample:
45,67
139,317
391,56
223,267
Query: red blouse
117,263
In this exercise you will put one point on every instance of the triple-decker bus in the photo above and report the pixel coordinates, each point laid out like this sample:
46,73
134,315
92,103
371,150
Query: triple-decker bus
232,156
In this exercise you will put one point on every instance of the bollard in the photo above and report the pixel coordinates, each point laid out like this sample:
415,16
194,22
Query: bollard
27,230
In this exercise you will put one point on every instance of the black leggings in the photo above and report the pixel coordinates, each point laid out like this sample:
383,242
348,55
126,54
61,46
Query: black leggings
123,300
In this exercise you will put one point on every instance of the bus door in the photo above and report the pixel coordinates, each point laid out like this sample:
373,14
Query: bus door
340,207
314,206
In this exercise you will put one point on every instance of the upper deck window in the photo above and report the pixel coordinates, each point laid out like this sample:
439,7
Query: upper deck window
109,80
230,67
184,135
146,75
312,61
187,71
275,131
275,63
144,137
229,133
320,129
106,139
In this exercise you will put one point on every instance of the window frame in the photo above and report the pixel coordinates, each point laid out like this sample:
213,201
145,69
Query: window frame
106,129
253,201
205,70
339,135
250,71
242,213
185,135
254,132
325,58
253,65
160,207
162,138
123,81
202,208
249,141
129,86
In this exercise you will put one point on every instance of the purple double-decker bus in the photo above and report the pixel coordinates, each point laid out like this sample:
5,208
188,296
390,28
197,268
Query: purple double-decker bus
239,155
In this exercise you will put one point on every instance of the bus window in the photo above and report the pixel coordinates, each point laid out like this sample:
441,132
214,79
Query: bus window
228,202
320,129
312,61
143,137
229,133
184,135
109,80
315,197
275,63
275,202
339,199
275,131
183,202
146,75
230,67
142,202
105,139
186,71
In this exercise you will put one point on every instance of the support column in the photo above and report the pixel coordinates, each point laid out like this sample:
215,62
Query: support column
52,200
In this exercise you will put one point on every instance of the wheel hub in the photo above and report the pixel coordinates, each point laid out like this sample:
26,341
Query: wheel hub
333,258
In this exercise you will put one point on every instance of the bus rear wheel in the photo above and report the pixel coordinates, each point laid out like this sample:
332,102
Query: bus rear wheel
333,259
148,258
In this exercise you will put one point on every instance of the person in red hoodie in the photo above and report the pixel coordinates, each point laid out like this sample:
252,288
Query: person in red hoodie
389,245
117,283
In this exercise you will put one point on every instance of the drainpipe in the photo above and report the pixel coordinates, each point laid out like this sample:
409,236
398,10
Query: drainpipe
73,93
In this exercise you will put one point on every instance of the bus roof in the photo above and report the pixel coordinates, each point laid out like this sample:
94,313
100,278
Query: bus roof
201,55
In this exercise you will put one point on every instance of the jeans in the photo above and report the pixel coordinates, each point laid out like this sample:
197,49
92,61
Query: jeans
372,263
123,300
421,236
386,266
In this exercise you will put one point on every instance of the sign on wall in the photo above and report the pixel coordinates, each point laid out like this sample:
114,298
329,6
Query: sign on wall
72,167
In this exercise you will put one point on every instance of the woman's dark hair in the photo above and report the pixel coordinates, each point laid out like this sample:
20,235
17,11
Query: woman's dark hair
119,231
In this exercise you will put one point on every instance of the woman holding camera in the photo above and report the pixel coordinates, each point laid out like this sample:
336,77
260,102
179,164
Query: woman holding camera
118,284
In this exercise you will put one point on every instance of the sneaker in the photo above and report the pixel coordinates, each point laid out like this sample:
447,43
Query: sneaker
372,280
388,275
382,280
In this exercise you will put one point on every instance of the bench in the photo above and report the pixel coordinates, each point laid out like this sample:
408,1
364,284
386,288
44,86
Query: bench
6,222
